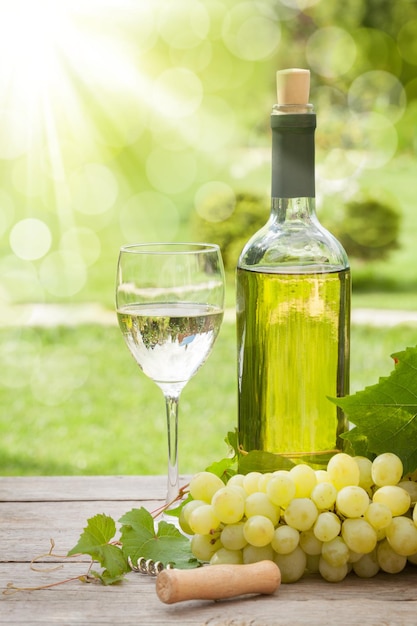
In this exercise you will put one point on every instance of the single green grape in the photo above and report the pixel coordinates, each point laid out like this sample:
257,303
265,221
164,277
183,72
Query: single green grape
387,469
203,520
359,535
327,526
378,515
304,478
332,573
229,504
258,503
285,539
352,501
395,498
258,530
343,470
301,513
204,485
402,536
292,566
335,552
232,537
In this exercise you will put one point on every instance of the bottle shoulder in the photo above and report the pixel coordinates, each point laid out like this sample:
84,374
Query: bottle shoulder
308,247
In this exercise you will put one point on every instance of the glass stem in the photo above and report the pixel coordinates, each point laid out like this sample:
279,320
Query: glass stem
172,402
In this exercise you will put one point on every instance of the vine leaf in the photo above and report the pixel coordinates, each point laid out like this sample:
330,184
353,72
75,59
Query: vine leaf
166,544
94,541
385,414
224,468
260,461
255,460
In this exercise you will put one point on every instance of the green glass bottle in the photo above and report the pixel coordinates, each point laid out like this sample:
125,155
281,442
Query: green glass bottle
293,302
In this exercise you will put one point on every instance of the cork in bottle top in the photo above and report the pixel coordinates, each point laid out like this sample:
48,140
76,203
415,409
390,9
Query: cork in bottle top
293,86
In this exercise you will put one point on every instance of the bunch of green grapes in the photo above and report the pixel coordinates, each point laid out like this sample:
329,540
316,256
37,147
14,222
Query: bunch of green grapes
356,515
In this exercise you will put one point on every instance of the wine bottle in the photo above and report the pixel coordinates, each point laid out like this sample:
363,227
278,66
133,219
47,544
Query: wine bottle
293,302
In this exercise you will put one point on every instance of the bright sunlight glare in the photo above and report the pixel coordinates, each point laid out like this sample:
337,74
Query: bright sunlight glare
32,36
49,43
73,90
28,33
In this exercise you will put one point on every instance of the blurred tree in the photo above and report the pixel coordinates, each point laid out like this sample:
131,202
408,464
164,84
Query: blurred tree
250,213
367,227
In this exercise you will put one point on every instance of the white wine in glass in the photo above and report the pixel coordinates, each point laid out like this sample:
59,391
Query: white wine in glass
170,304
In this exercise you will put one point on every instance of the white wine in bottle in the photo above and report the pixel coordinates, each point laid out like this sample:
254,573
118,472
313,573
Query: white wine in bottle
293,302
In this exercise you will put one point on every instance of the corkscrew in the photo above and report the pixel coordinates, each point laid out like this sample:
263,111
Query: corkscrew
147,566
209,583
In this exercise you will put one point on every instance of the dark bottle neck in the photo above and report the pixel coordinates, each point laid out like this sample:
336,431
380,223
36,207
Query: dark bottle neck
293,155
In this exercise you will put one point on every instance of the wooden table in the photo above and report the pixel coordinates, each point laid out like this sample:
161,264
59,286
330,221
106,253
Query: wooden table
34,510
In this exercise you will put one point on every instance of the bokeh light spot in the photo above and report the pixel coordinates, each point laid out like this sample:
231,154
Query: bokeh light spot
407,42
380,92
16,373
19,280
13,140
334,167
30,239
177,92
171,172
251,31
94,189
62,274
6,211
83,242
195,59
375,138
218,124
301,5
149,216
219,74
52,381
331,51
28,177
215,201
175,135
122,120
377,50
144,33
183,24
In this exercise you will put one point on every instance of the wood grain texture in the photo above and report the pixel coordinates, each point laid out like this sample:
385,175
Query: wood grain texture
32,511
75,488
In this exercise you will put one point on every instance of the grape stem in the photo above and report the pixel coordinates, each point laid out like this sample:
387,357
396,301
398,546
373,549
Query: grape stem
183,491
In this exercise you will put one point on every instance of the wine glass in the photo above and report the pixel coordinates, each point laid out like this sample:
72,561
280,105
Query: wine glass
170,304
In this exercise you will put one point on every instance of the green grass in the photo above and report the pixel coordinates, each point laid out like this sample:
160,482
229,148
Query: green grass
111,418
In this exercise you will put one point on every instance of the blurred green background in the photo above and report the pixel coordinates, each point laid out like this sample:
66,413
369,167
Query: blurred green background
123,121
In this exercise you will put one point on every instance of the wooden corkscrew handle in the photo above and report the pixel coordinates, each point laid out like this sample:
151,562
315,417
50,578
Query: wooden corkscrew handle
216,582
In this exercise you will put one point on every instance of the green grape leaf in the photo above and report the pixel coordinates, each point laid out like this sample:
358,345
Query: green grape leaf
167,544
259,461
223,469
94,541
255,460
385,414
175,512
105,577
232,440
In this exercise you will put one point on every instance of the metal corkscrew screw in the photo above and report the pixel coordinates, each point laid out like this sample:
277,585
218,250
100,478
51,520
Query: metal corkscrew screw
147,566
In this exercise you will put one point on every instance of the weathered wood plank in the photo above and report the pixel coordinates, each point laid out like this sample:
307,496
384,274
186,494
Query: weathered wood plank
379,601
27,528
32,511
62,488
